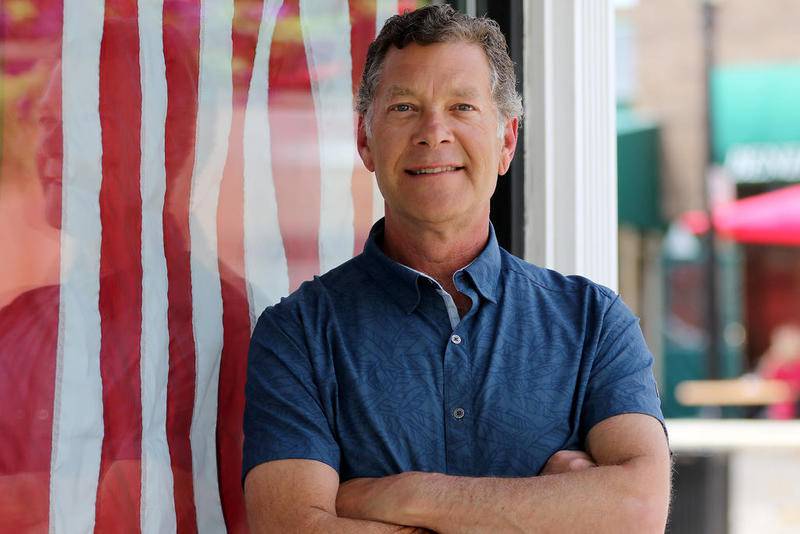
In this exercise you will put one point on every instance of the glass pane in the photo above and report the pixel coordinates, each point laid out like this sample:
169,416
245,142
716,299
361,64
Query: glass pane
709,132
168,169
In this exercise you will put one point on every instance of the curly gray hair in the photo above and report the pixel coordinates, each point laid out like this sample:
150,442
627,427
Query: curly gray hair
441,24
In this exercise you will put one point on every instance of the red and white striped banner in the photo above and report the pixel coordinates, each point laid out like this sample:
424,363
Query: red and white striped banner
169,168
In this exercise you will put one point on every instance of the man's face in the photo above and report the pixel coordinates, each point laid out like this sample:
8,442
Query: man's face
434,144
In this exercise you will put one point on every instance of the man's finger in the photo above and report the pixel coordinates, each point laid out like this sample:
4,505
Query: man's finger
566,461
579,464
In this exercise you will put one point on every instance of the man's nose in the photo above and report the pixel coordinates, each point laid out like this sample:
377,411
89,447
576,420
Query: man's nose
432,130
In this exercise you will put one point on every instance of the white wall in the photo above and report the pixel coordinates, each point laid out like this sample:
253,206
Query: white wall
570,143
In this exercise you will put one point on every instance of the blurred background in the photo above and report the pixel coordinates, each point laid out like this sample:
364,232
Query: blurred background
708,133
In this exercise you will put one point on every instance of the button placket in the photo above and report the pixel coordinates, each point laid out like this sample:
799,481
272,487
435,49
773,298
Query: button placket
457,399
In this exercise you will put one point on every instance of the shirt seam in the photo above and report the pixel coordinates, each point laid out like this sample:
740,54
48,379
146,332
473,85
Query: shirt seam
588,283
622,329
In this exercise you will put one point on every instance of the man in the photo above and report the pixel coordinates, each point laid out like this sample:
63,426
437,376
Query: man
435,381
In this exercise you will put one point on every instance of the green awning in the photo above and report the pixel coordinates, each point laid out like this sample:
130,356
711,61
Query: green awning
756,121
638,176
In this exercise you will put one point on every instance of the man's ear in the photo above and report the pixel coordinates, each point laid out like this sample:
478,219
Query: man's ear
509,144
363,145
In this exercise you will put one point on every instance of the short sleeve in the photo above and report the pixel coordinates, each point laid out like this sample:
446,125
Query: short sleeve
284,417
621,379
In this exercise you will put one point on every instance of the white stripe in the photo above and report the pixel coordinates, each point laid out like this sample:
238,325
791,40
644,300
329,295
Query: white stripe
157,501
378,208
383,10
214,114
78,406
266,270
326,35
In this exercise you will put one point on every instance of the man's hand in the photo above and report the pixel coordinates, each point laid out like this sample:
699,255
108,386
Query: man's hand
376,498
365,497
567,461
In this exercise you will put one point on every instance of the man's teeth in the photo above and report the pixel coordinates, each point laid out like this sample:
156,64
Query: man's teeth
434,170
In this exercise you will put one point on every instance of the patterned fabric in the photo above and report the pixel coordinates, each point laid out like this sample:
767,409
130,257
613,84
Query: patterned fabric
360,369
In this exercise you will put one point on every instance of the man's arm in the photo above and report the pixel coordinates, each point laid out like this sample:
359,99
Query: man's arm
627,492
283,419
287,496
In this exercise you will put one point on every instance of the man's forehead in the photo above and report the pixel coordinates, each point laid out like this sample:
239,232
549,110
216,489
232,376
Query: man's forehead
456,68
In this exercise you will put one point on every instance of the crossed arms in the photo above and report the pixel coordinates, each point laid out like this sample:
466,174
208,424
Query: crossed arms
627,491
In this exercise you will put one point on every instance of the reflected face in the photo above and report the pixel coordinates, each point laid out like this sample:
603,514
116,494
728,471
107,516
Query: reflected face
50,148
434,143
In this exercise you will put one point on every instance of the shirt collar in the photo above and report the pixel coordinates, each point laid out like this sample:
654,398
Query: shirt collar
485,269
402,282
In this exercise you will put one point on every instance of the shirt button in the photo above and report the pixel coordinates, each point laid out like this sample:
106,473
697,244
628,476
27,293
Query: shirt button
456,339
458,413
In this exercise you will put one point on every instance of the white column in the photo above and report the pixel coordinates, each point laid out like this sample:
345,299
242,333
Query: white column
570,142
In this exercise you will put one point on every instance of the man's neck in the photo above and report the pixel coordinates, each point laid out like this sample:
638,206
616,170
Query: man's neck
436,250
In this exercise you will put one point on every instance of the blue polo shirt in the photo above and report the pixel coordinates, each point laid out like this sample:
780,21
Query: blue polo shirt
364,369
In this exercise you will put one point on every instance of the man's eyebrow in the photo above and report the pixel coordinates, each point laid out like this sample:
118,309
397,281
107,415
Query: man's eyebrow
397,90
460,92
466,92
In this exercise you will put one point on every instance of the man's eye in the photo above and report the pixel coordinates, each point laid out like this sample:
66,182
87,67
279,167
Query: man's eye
401,107
465,107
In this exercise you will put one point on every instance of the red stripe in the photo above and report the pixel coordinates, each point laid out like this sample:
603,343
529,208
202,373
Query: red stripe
119,488
29,323
362,32
293,128
181,54
235,313
404,6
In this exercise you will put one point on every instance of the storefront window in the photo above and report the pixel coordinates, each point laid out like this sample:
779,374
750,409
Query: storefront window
169,168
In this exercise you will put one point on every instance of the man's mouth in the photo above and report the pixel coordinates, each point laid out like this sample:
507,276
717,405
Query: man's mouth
434,170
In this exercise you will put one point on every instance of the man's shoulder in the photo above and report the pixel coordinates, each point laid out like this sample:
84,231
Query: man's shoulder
548,282
315,295
571,297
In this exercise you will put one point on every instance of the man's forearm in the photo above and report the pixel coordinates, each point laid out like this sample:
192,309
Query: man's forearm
601,499
316,520
632,497
324,523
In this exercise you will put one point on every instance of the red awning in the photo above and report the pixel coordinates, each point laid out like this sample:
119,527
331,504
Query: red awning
770,218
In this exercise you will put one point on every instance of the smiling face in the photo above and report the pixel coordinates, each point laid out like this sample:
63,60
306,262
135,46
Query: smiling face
434,143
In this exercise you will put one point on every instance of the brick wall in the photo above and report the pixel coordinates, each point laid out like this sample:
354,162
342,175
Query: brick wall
670,77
